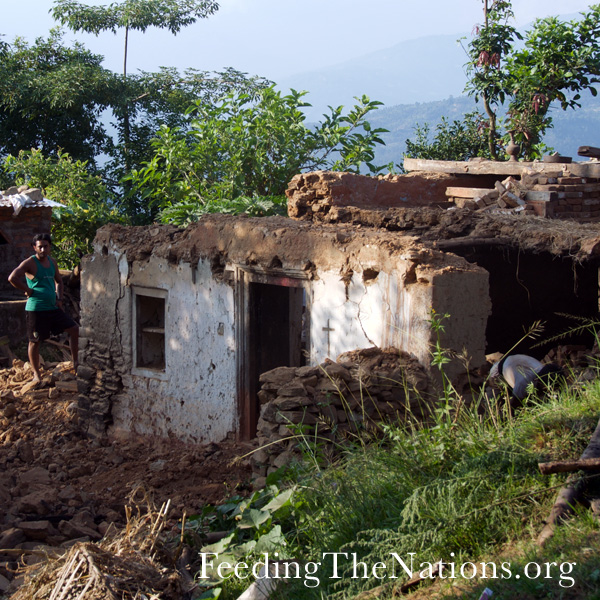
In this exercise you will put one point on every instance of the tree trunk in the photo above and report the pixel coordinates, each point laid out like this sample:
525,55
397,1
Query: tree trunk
126,120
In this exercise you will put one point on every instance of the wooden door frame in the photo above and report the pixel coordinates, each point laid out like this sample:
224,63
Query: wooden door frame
244,276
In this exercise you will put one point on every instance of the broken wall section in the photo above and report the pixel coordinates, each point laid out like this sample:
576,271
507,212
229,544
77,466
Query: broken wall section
312,195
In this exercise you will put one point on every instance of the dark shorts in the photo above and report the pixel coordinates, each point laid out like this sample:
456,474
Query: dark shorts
41,324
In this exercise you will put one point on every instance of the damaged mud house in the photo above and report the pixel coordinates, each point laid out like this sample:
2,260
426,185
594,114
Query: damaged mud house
180,326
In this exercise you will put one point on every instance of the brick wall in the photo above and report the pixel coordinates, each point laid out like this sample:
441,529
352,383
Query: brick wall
18,231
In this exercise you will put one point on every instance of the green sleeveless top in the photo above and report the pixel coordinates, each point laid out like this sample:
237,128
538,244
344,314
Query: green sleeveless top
44,288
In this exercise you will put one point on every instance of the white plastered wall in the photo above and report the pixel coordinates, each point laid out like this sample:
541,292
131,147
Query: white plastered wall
386,312
194,399
380,313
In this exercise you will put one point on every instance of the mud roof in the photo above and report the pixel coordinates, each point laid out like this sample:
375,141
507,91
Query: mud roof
447,229
269,242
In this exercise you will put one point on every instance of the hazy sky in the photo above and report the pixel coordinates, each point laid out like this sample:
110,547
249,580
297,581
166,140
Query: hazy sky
275,38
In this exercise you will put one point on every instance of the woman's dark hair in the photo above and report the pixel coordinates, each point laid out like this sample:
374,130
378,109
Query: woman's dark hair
41,237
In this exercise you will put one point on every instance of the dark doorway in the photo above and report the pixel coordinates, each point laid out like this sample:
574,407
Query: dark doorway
275,325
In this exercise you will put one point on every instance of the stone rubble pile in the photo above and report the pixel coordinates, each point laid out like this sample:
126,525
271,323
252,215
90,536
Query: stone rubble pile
333,402
31,523
555,195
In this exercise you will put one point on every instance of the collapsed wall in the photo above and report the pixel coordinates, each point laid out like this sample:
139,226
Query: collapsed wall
519,247
172,323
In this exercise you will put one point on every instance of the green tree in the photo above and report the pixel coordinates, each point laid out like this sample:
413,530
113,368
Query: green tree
486,69
558,61
88,203
162,99
60,98
129,15
136,15
53,98
250,149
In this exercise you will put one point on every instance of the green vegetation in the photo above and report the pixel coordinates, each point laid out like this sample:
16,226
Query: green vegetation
182,144
464,487
559,61
70,182
555,64
247,150
55,95
460,140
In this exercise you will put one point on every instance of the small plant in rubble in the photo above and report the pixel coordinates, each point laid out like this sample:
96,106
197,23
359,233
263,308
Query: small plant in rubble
250,526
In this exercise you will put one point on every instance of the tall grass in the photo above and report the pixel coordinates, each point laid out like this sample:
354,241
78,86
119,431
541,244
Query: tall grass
455,489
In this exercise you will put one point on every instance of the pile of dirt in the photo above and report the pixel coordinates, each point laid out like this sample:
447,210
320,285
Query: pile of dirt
57,486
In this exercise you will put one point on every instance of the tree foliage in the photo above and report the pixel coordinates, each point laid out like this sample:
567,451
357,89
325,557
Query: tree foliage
246,148
132,14
53,98
488,79
558,61
88,204
137,15
161,99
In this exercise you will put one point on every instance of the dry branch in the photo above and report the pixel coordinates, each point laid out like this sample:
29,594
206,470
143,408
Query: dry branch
570,493
567,466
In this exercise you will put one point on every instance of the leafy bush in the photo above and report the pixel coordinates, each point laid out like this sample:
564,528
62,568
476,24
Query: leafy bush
459,140
246,147
88,205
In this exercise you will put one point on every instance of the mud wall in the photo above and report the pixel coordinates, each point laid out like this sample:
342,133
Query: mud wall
362,289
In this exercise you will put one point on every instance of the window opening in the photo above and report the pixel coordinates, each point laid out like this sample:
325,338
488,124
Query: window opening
150,329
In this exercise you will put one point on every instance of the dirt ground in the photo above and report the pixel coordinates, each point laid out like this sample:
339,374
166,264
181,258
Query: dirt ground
57,486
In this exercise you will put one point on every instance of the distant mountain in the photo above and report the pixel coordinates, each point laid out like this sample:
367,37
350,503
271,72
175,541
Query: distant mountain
424,69
572,128
411,78
419,70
